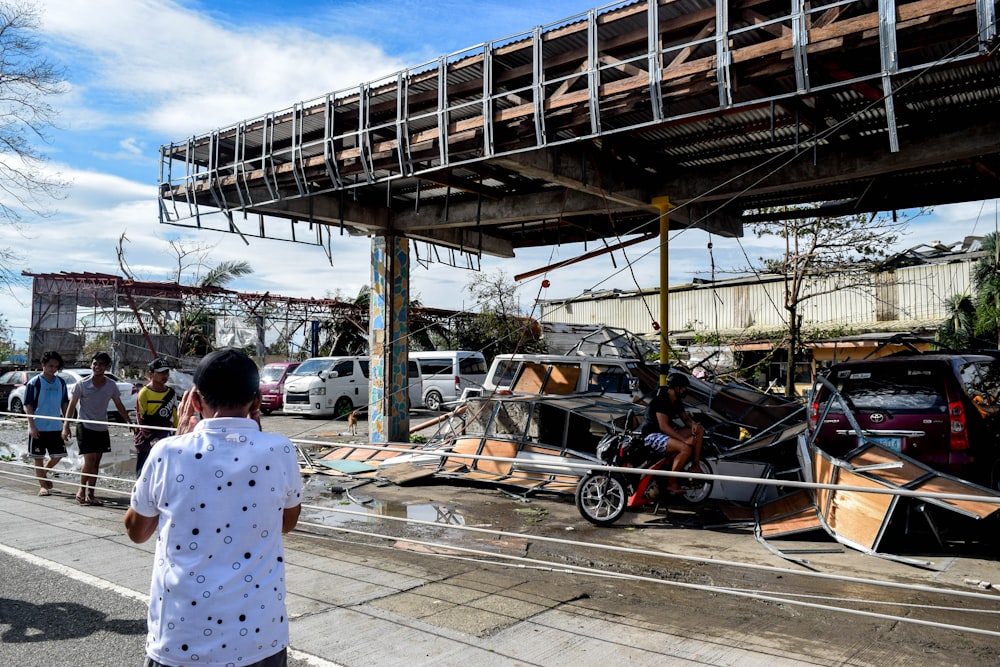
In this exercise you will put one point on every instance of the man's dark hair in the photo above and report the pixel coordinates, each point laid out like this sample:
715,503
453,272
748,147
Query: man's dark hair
102,357
52,354
227,378
678,381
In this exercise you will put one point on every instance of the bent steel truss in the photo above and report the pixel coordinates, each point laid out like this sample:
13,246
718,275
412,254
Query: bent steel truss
567,132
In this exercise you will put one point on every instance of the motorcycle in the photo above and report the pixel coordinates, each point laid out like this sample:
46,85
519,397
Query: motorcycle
602,496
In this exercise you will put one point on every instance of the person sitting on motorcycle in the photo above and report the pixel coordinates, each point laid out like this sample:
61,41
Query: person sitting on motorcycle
661,431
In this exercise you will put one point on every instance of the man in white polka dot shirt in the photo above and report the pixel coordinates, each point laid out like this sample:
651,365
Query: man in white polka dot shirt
218,495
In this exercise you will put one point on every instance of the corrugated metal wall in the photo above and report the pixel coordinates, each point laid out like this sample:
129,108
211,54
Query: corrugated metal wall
899,300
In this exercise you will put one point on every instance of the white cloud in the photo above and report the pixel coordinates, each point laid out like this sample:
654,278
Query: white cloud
189,74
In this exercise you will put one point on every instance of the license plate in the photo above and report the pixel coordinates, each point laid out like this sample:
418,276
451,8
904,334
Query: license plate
892,444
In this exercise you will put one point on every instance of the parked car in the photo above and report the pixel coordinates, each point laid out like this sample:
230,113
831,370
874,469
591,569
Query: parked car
335,386
940,409
12,380
327,387
445,374
272,384
126,390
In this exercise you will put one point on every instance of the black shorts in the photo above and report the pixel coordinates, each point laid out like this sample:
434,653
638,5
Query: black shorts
91,441
279,659
47,441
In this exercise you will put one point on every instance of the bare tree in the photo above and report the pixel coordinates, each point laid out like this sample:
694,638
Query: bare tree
27,82
848,248
499,326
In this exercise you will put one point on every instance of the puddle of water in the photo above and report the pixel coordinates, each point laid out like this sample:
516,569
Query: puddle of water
337,501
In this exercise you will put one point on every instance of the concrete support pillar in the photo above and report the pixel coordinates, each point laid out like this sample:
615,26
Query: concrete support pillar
388,418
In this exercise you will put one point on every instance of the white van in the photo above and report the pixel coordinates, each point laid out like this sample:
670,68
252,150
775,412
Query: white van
335,386
563,374
327,386
447,373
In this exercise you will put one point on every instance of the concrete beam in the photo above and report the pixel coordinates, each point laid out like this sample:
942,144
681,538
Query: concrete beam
513,208
588,172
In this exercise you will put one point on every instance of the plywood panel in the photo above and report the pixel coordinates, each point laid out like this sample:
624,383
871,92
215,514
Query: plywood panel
548,379
804,520
532,379
856,515
784,506
483,448
789,514
823,472
906,473
944,485
563,380
367,454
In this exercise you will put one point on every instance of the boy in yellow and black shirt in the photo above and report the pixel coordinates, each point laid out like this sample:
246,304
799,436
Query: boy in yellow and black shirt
156,405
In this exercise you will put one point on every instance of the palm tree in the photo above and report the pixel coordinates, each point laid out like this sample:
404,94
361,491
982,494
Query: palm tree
197,323
958,331
986,276
224,273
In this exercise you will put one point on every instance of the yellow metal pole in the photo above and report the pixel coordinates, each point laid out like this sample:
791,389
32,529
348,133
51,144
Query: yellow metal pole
663,203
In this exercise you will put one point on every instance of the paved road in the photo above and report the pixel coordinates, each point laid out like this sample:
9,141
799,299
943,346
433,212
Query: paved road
48,617
542,592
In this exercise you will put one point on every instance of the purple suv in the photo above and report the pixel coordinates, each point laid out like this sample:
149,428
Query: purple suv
940,409
272,384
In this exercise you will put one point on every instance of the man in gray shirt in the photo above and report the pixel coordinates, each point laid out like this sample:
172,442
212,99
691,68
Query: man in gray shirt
92,435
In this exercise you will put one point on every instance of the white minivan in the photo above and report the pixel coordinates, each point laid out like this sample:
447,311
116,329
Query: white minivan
335,386
447,373
563,374
327,386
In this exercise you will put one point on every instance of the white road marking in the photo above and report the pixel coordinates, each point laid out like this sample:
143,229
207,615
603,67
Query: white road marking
104,584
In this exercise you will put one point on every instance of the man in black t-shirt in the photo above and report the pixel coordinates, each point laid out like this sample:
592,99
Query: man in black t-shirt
662,431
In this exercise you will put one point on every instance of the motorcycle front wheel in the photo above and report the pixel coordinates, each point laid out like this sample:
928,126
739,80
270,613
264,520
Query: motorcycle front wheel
602,497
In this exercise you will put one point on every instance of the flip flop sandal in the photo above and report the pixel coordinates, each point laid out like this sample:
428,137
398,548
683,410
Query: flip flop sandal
44,492
80,500
94,501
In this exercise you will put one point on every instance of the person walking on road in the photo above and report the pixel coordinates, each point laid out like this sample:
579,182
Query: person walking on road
92,395
45,396
218,496
156,405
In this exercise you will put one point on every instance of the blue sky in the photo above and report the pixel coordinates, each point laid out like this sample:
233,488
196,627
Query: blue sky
142,73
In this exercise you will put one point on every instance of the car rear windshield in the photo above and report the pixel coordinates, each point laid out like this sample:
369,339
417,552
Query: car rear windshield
271,373
472,366
893,389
